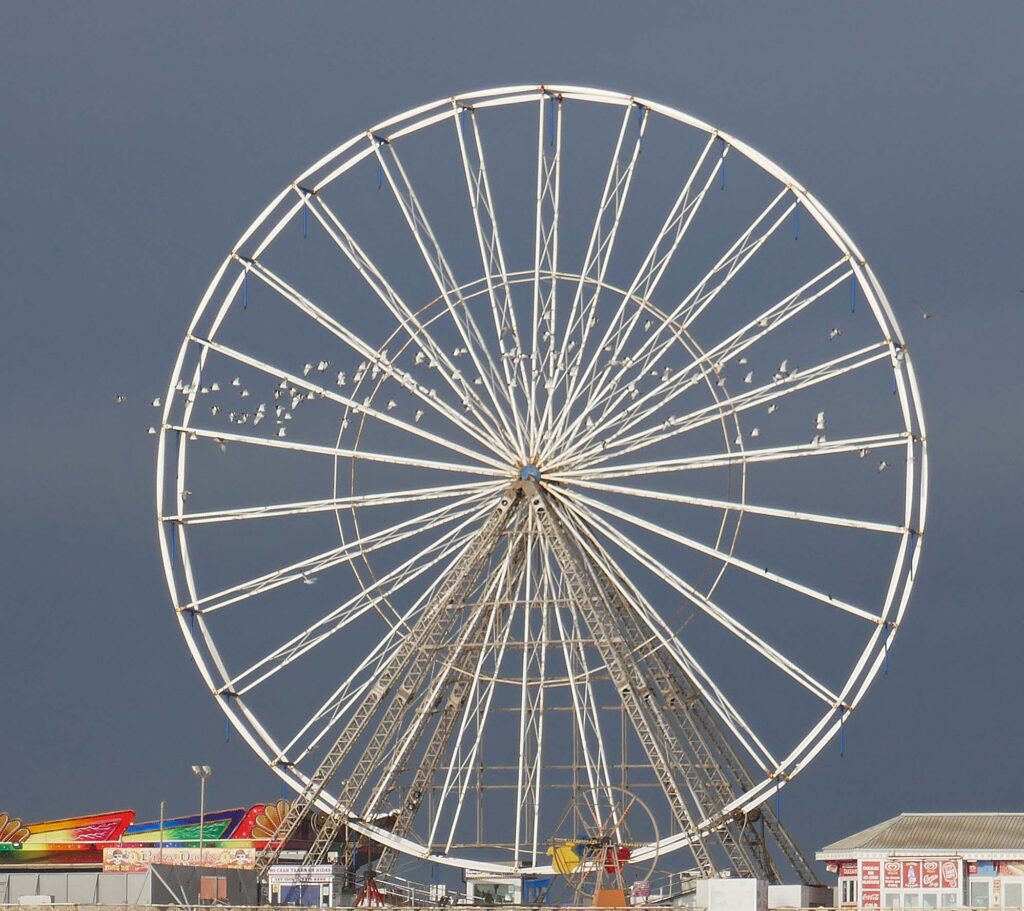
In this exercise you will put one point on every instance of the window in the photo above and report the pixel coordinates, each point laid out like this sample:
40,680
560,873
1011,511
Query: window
1012,895
979,893
930,900
848,890
892,900
912,900
950,899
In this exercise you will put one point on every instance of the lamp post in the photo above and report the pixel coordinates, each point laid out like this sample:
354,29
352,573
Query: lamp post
202,772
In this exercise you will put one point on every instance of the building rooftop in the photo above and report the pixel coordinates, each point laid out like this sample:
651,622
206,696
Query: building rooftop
955,832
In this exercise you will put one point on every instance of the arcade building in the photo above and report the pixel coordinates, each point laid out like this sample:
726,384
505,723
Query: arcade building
931,860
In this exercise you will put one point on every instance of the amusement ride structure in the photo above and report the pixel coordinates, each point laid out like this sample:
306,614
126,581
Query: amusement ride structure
503,495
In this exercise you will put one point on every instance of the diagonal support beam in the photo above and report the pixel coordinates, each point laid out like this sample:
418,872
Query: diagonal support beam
411,664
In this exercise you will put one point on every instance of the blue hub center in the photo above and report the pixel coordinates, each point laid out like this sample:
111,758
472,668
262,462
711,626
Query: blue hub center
529,473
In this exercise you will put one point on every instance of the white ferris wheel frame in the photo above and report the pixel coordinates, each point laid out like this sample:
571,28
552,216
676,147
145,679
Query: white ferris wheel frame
284,208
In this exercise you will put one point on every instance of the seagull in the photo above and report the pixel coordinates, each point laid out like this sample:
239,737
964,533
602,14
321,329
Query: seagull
784,366
819,421
185,494
882,466
280,431
307,581
214,409
742,361
151,430
237,381
306,368
193,436
214,387
245,393
279,410
120,398
749,378
257,418
420,357
738,441
772,408
834,333
341,378
392,404
755,433
927,315
222,444
375,372
648,324
862,453
418,415
322,365
156,402
296,400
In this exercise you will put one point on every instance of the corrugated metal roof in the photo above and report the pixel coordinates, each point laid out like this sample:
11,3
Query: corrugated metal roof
939,832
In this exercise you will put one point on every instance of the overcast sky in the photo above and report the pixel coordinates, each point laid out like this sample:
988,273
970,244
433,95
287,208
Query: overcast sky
139,139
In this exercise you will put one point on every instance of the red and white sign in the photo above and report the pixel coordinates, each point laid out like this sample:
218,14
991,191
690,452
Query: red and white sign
929,874
871,874
911,874
847,868
871,898
893,874
950,872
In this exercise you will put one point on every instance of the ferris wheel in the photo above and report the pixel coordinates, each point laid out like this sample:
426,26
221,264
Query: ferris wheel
540,442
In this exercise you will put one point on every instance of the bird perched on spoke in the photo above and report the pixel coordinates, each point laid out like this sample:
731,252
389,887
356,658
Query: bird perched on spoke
819,421
281,431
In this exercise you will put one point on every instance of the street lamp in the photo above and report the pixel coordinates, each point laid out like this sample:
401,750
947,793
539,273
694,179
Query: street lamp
202,772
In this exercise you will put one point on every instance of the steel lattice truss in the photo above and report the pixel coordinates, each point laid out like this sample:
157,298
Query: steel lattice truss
626,481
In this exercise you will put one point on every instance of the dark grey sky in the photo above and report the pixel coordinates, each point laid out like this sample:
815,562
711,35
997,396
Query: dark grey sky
138,141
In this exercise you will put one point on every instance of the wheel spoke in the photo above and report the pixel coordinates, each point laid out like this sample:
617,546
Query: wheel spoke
761,395
707,606
333,451
376,358
367,599
724,557
444,278
657,259
331,504
714,360
739,457
742,507
582,313
350,403
492,257
336,556
545,258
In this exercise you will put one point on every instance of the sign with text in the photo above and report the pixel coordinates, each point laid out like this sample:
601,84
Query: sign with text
893,874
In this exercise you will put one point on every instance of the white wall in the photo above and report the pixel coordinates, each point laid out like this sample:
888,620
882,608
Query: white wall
733,894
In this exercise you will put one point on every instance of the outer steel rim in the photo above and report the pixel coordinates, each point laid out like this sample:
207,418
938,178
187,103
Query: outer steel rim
289,202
